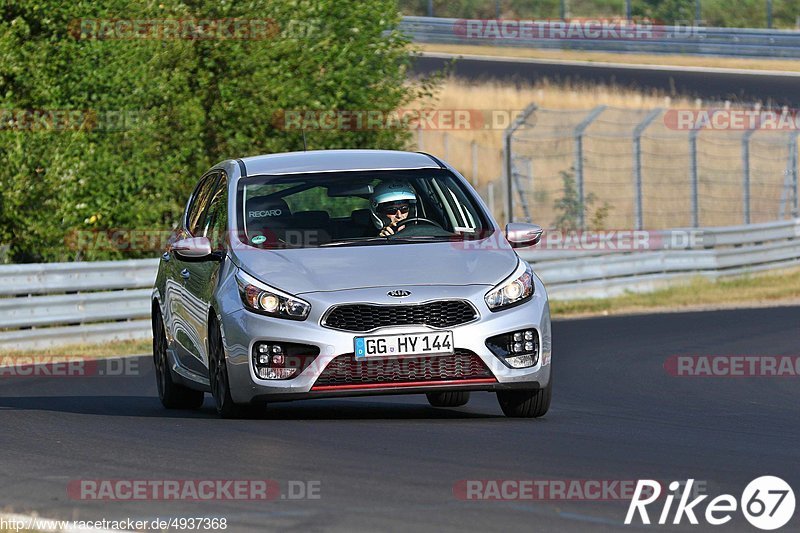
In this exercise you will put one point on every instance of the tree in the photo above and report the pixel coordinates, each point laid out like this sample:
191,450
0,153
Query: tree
152,114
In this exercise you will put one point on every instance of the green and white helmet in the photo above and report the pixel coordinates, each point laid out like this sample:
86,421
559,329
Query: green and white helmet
389,192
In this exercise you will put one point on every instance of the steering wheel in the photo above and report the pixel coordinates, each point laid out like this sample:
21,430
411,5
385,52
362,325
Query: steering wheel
419,219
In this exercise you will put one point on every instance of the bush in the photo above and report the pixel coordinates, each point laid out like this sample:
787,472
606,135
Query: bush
177,106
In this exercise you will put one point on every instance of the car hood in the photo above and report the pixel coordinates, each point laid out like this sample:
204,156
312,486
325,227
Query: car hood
305,270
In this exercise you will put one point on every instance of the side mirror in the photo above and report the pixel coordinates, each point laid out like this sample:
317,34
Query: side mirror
521,235
193,248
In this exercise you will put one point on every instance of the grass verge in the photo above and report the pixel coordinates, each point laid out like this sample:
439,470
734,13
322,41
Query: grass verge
610,57
761,290
111,349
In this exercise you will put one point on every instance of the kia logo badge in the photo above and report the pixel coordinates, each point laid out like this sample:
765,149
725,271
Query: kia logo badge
398,293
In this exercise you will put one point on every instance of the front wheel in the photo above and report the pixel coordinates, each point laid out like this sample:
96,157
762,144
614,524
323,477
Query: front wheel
219,381
526,403
448,399
172,395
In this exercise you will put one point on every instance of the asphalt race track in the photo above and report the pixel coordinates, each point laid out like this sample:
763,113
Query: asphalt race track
391,463
776,89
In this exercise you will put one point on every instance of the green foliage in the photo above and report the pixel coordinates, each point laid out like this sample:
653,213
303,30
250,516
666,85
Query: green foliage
188,104
570,207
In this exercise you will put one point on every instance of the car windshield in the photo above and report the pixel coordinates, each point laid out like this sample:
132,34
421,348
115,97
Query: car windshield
357,209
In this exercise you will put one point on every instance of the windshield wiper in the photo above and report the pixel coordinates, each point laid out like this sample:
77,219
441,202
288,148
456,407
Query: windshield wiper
422,238
358,240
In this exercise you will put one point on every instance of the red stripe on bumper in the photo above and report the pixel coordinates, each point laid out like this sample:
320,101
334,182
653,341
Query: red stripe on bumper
482,381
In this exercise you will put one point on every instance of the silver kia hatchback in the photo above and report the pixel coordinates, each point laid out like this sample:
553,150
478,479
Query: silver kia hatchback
347,273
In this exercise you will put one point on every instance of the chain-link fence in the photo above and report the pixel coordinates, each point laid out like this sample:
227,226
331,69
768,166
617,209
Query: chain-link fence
653,169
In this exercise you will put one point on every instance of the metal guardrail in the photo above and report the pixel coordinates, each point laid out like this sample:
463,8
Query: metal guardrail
55,304
735,42
70,303
710,253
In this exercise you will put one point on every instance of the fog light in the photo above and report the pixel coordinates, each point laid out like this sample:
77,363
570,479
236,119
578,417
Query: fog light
263,348
263,359
517,349
277,359
520,361
277,349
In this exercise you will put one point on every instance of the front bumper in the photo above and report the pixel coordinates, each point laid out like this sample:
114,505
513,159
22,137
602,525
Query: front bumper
242,329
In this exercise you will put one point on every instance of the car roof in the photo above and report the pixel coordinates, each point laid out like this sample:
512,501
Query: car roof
336,160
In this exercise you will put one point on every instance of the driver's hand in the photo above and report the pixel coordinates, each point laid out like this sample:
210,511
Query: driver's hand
390,230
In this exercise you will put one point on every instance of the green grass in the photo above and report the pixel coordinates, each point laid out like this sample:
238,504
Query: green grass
754,290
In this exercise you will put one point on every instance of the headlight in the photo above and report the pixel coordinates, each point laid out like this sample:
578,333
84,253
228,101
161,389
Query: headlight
514,290
267,300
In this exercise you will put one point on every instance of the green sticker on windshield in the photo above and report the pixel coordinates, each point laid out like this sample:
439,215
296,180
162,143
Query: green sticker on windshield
258,239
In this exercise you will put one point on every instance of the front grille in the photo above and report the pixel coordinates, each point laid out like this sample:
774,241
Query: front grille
347,370
366,317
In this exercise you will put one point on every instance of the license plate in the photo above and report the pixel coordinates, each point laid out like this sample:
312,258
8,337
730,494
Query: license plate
440,343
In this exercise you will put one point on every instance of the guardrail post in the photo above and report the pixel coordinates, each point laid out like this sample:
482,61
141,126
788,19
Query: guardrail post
579,131
474,149
637,162
693,175
507,137
746,173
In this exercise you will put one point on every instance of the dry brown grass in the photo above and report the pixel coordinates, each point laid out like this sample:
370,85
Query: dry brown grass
609,153
610,57
111,349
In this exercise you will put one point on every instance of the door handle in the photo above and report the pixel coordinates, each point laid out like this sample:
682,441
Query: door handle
165,256
185,273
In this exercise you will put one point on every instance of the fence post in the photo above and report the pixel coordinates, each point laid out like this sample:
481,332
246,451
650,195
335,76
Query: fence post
474,147
508,156
794,173
637,162
578,134
746,172
693,175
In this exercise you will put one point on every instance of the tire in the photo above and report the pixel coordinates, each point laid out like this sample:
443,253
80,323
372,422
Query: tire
172,395
526,403
218,379
448,399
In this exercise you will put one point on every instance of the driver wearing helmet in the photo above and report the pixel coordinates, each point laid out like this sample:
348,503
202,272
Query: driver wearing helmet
390,204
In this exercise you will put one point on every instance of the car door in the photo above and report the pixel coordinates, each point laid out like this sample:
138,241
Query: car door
204,274
189,311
